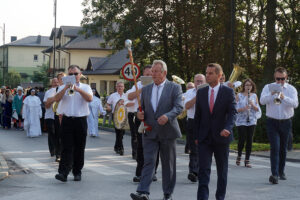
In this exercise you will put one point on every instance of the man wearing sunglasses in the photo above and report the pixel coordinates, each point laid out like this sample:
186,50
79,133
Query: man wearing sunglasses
278,121
74,109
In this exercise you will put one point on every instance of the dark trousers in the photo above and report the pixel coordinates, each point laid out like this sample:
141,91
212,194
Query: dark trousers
57,136
140,153
221,153
290,141
193,164
278,133
245,134
42,120
119,139
51,135
133,132
1,118
74,131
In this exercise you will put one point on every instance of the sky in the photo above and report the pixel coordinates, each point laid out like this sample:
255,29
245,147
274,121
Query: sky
24,18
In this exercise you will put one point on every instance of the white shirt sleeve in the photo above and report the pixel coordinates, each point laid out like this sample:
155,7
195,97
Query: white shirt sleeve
292,99
266,96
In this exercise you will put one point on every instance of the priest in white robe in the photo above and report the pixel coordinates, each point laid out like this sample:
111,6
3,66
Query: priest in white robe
31,113
96,108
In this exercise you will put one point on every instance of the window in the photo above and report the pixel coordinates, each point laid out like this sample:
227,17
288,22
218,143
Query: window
35,58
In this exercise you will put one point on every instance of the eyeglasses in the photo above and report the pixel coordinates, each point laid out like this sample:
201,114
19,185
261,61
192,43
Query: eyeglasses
248,85
280,79
70,74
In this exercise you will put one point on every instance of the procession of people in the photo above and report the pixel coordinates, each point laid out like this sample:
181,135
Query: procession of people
213,107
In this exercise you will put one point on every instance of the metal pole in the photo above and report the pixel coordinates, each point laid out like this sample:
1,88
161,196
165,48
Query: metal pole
3,70
232,33
54,37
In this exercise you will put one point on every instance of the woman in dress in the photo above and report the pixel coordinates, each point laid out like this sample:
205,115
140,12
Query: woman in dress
31,113
92,120
248,112
7,99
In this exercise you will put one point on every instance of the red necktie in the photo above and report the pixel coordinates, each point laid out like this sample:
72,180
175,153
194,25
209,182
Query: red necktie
211,100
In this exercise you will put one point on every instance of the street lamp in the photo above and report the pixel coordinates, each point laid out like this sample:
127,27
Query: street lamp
54,37
3,29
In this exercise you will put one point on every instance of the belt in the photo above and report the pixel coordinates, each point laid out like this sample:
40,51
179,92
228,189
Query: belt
280,120
190,118
74,117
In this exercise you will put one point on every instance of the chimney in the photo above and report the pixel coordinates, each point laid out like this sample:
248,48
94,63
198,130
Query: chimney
13,38
38,40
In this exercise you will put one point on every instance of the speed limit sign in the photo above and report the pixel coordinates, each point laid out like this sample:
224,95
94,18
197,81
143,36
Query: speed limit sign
127,72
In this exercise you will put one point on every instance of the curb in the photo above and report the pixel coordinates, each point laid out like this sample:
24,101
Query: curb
257,154
3,168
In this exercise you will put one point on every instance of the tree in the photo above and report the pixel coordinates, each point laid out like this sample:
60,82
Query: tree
271,40
41,75
12,79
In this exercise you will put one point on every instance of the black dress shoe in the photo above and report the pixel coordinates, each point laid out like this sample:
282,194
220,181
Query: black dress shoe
136,179
117,150
273,179
139,196
57,159
282,176
192,177
167,197
77,177
61,177
121,152
154,178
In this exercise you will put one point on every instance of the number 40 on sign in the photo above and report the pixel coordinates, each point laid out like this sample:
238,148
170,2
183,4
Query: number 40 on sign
127,72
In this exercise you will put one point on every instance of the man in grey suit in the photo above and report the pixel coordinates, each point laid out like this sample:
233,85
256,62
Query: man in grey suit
161,103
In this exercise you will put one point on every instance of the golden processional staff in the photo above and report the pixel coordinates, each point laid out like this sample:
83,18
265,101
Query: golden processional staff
128,44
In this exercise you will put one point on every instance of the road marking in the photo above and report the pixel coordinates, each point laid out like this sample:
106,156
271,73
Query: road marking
40,169
126,160
104,170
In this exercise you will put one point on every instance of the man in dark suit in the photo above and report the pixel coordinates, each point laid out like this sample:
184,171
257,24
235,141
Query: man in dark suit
161,103
214,119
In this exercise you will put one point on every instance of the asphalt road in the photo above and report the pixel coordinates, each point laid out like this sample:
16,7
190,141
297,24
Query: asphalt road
107,176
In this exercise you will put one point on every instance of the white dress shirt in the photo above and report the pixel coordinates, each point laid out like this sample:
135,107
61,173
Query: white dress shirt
216,90
75,105
135,101
114,98
285,110
189,95
154,97
49,114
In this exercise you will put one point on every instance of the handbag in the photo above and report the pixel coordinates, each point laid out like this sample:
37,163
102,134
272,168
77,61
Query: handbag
15,115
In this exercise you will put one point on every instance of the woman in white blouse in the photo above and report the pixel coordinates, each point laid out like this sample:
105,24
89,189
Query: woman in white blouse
92,120
248,112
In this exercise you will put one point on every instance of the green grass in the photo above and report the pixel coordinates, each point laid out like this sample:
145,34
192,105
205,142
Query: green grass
255,146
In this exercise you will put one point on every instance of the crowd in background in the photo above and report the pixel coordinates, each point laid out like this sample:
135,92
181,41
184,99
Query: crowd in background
12,104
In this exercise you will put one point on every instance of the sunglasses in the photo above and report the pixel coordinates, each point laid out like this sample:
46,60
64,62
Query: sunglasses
70,74
280,79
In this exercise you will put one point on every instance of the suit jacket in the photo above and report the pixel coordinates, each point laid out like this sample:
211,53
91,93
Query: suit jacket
170,104
209,125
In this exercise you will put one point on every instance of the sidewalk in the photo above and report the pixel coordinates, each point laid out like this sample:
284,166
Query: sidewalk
3,168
